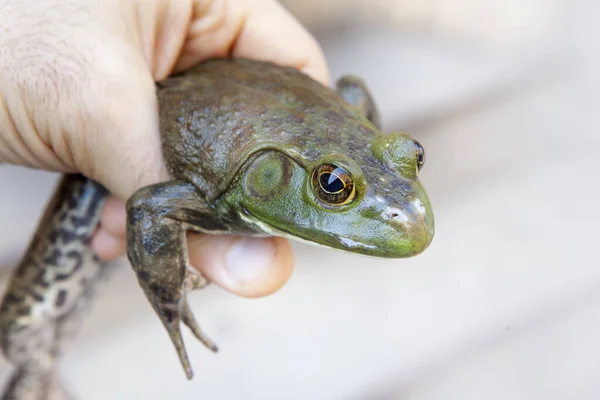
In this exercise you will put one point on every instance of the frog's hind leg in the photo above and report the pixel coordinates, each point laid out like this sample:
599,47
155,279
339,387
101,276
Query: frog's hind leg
354,90
49,290
26,385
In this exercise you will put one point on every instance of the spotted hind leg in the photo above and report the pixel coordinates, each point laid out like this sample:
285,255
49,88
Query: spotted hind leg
49,290
26,385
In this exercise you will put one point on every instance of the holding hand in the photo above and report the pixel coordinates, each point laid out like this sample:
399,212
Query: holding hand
77,94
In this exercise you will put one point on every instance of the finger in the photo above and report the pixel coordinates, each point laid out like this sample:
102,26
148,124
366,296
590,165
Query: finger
113,217
260,29
106,246
109,241
249,267
271,33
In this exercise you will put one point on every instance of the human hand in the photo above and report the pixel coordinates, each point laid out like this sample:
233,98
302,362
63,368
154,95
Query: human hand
77,95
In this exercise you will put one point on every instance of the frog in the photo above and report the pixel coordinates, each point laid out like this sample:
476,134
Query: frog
252,148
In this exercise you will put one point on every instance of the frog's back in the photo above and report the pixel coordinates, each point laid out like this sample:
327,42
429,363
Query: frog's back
214,117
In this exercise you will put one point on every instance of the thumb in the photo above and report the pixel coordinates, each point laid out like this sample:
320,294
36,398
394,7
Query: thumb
250,267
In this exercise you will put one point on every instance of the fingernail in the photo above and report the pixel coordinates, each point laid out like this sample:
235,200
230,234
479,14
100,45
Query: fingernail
248,258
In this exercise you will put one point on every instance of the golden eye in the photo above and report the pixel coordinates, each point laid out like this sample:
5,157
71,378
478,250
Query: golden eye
333,185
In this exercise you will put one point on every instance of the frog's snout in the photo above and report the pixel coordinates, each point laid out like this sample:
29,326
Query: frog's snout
413,223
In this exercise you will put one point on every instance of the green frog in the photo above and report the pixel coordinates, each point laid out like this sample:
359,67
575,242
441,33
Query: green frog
253,149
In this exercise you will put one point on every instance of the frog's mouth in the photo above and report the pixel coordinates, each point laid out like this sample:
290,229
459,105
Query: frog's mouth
395,238
345,244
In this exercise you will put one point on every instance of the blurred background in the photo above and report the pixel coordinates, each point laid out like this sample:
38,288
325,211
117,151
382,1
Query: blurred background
505,304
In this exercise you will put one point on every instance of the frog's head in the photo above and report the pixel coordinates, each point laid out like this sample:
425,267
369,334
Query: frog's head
372,203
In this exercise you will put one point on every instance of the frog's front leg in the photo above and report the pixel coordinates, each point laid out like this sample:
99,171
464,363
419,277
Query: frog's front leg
158,218
355,92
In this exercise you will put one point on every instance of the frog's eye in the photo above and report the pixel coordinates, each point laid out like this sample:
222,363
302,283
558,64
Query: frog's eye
420,155
333,185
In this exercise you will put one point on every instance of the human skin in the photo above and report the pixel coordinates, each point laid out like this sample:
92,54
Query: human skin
77,95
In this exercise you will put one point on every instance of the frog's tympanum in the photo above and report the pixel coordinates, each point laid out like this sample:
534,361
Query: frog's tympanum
252,149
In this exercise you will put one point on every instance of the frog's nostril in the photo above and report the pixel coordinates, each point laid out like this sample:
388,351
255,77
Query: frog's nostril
395,215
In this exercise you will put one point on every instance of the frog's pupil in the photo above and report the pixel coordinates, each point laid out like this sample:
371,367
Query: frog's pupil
331,183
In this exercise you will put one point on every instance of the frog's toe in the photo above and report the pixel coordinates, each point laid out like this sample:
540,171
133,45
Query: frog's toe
188,318
173,313
194,279
172,321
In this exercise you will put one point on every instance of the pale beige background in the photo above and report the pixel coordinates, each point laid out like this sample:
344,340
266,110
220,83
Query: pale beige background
504,305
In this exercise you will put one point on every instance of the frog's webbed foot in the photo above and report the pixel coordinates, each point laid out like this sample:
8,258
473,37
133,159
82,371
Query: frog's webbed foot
158,217
355,92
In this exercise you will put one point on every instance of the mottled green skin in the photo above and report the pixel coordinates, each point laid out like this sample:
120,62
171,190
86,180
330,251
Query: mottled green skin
219,115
